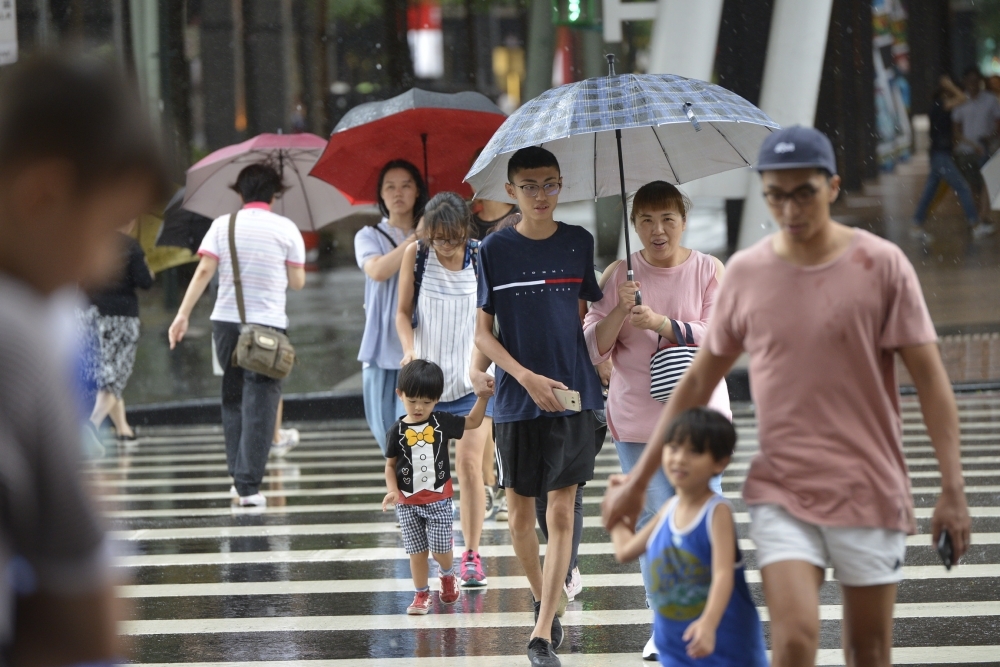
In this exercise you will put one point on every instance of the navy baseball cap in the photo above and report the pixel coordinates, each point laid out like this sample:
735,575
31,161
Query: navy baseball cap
797,147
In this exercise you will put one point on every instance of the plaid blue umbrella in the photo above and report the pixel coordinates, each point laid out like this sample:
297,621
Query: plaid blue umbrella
614,134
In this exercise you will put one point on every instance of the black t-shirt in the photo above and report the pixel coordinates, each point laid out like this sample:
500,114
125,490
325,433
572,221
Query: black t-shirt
482,228
423,470
941,127
119,297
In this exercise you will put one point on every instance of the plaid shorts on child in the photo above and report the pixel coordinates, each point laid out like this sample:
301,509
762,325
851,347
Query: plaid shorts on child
426,527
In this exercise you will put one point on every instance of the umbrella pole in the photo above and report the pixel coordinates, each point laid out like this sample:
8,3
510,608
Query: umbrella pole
628,244
427,178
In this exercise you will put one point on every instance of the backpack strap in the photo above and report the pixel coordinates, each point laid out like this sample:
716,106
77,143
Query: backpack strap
385,234
419,266
472,256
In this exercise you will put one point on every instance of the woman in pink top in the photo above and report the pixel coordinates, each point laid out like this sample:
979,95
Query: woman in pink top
676,283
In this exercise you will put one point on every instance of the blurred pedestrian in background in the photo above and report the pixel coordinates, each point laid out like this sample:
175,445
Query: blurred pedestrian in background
977,127
947,97
379,250
77,161
272,257
437,290
117,321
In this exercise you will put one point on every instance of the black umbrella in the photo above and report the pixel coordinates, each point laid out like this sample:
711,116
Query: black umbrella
182,228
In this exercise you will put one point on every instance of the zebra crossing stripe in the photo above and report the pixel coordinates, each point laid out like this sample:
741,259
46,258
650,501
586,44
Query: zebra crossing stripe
989,573
374,622
825,658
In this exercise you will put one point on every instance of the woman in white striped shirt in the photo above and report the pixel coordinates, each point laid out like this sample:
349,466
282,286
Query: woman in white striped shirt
445,328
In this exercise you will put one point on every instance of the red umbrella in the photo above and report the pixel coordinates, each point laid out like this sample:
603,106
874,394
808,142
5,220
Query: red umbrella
437,132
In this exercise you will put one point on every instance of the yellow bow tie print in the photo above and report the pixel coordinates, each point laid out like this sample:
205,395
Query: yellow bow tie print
427,435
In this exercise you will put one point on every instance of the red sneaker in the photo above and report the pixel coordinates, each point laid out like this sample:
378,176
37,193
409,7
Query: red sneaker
421,604
450,591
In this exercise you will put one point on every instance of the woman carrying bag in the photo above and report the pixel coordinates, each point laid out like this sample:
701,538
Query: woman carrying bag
678,285
269,259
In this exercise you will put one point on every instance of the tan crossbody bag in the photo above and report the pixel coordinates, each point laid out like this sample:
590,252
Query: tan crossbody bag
260,349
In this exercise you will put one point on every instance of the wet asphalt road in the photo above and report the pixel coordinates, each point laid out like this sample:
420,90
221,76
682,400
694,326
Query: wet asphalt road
321,576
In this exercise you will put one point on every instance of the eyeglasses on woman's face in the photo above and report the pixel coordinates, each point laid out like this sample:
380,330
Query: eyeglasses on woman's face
531,190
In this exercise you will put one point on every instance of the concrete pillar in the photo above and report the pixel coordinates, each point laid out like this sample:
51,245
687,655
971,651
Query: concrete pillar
790,88
541,49
146,47
265,66
221,55
684,38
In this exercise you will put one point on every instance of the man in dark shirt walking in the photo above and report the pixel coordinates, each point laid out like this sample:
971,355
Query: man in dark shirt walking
946,98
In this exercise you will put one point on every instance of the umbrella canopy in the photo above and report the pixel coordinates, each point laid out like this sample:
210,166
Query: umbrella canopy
439,133
991,174
182,228
309,202
672,129
614,134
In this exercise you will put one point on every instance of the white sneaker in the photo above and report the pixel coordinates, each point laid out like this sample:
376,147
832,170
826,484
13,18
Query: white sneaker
502,510
649,652
575,585
918,233
287,441
256,500
490,502
233,492
983,229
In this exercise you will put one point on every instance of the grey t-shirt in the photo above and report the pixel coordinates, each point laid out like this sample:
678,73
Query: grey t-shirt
978,117
48,526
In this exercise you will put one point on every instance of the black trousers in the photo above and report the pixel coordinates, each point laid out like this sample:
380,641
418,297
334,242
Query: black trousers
249,410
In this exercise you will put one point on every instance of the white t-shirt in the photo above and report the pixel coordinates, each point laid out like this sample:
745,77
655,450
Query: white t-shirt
266,243
978,117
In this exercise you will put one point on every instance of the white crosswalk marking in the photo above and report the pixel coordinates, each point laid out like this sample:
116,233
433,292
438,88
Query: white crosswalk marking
319,578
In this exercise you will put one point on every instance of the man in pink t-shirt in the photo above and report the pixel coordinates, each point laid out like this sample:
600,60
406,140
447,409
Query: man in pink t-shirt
822,309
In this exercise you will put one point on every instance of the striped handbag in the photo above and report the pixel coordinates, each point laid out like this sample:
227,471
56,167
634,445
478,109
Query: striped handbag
667,365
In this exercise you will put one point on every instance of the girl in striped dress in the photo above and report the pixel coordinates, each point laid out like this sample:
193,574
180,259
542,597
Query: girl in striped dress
441,269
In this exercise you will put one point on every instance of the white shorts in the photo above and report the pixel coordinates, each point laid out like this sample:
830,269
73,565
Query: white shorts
858,556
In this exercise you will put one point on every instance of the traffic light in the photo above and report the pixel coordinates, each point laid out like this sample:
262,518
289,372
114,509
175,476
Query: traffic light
575,13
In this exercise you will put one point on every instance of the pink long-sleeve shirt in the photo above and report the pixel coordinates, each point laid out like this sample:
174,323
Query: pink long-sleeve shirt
684,293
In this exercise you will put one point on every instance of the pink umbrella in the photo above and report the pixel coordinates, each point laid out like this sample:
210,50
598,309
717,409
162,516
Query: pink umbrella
308,201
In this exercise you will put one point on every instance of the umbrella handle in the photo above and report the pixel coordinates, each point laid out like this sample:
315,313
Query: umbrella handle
631,278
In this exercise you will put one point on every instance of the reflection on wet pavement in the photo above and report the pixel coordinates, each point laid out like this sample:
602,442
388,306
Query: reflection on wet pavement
321,574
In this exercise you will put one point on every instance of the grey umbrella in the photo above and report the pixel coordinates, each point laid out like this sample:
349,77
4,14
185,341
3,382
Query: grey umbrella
613,134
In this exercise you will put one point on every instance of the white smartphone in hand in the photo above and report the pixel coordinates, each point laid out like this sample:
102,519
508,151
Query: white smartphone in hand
568,398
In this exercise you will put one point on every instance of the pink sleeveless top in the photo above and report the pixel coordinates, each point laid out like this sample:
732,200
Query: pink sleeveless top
684,293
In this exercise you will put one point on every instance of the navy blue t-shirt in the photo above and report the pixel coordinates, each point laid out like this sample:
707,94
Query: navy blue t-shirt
533,289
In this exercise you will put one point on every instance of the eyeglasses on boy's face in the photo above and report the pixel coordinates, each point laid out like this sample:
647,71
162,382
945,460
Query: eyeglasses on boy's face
801,195
531,190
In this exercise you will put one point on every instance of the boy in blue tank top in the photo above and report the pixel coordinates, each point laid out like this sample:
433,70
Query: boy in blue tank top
704,613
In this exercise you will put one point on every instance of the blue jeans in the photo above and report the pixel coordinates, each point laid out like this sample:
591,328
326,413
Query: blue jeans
943,167
382,406
659,491
463,406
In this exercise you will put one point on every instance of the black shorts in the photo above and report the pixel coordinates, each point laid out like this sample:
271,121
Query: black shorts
546,453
